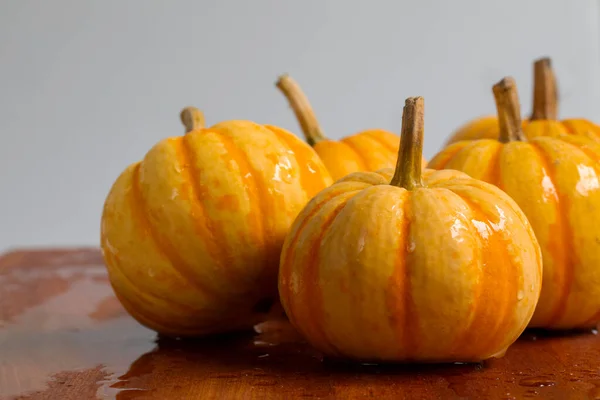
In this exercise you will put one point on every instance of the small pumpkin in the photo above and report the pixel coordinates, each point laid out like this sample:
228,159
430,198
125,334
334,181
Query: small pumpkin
409,266
368,150
555,181
543,120
191,234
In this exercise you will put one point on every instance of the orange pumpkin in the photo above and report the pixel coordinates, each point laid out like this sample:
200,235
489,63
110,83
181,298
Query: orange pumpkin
555,181
544,115
367,150
191,234
399,266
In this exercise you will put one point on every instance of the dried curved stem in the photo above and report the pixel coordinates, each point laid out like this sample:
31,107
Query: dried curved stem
410,154
301,107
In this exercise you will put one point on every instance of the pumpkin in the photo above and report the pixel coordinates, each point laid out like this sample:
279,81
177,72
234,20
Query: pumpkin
409,266
543,120
191,234
555,181
368,150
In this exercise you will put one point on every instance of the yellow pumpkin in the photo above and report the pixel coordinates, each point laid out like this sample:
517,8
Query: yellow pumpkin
191,234
367,150
404,266
544,115
555,181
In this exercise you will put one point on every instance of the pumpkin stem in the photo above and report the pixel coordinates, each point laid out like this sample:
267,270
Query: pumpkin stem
301,107
192,119
545,91
509,114
408,166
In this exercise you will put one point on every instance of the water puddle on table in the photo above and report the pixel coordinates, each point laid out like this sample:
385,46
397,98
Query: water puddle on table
73,340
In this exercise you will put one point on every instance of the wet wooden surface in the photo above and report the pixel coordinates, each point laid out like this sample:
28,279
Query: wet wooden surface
63,335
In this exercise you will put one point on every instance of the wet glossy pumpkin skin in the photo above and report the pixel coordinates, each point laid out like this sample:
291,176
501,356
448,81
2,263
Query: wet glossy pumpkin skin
555,181
192,233
368,150
447,270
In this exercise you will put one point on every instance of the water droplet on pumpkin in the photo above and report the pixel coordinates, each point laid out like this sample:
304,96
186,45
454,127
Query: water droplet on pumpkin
520,294
594,331
411,247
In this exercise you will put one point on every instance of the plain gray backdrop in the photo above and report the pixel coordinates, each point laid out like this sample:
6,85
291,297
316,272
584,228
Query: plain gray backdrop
87,87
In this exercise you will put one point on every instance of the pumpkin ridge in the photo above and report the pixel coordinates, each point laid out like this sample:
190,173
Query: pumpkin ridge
301,159
592,130
287,264
253,185
465,149
568,261
410,324
203,224
357,152
162,245
386,149
495,168
463,337
141,316
149,322
114,269
314,301
500,330
589,153
492,189
568,127
136,310
371,135
448,153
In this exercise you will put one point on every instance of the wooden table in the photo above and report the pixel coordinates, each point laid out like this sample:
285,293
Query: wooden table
63,335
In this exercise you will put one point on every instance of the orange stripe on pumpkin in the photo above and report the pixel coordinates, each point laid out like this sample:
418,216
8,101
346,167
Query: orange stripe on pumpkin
387,145
499,298
445,156
139,210
560,245
493,174
360,158
403,316
314,298
286,267
207,230
496,252
312,183
256,187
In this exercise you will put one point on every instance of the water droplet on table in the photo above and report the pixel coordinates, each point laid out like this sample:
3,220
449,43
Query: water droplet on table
537,381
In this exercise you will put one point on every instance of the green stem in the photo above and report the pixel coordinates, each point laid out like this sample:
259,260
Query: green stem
408,166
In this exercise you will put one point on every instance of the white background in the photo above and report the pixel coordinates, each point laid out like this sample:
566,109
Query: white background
87,87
